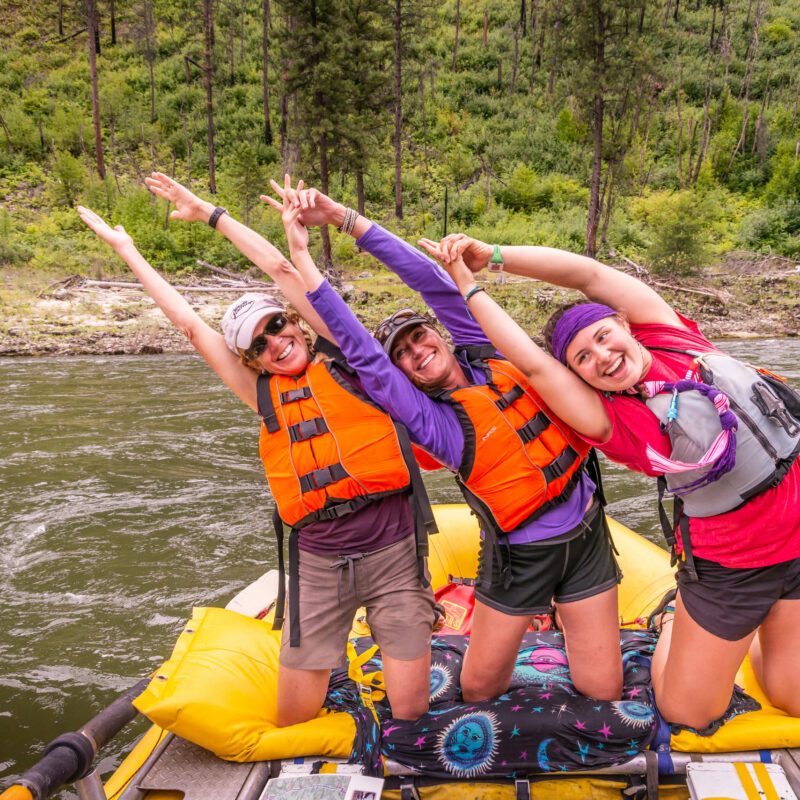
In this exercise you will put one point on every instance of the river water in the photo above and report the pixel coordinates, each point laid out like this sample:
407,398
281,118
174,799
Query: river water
131,491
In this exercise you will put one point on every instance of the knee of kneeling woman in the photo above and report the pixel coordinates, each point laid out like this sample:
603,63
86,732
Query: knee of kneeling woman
677,713
606,690
410,710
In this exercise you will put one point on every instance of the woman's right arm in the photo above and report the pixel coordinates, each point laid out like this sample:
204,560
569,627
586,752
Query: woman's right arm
250,244
411,265
210,344
573,400
640,303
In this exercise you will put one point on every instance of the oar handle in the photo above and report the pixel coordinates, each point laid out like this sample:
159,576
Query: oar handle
69,757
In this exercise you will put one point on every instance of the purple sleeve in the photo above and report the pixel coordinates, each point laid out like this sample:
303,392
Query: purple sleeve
431,424
425,276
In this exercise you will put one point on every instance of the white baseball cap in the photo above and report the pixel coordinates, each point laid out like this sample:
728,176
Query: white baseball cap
242,318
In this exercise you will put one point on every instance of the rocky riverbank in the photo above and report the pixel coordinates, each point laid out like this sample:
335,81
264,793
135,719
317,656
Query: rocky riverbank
75,316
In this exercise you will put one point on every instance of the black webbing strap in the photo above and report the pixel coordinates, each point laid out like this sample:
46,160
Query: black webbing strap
556,468
265,407
294,590
320,478
592,466
307,429
293,395
522,789
424,521
509,398
280,600
679,519
533,427
408,788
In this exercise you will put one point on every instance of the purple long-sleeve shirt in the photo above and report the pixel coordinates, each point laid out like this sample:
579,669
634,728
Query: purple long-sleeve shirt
432,424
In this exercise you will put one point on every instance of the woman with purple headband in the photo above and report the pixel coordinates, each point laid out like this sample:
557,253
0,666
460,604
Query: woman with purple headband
625,366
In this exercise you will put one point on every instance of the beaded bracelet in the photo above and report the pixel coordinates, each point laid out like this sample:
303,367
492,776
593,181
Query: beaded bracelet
349,222
472,291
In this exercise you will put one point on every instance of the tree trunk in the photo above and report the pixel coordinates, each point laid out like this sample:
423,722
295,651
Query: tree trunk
323,180
113,22
98,138
265,72
398,109
60,17
523,18
149,31
485,27
208,24
533,43
231,65
597,166
455,44
516,60
360,191
424,120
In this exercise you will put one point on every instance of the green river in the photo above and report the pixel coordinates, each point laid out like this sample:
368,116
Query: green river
131,491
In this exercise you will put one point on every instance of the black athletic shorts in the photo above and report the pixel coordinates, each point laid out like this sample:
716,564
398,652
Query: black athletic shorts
732,603
569,567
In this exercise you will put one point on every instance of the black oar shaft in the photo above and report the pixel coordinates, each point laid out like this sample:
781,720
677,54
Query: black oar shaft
70,756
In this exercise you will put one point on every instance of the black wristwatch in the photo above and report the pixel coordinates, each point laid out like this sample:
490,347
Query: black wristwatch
215,215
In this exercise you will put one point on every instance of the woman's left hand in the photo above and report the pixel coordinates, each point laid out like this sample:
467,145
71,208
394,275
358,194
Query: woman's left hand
296,232
115,237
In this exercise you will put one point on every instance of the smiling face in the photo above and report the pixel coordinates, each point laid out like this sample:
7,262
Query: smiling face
424,357
607,357
286,352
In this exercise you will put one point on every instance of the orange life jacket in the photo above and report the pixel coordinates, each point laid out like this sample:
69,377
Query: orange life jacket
327,449
520,460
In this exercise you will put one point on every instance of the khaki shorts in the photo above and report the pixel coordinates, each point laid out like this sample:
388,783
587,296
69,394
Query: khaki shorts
399,610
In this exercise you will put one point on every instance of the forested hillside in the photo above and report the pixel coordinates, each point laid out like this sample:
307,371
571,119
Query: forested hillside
666,132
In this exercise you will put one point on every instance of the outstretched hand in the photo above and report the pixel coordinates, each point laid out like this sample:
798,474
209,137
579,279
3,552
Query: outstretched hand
115,237
452,262
316,208
290,208
187,204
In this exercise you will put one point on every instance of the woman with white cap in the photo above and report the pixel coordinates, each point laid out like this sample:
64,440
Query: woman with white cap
337,466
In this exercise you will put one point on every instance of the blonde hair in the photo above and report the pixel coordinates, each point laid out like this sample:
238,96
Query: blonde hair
295,319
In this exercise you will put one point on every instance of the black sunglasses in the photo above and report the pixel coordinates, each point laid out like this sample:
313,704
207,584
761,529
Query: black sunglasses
275,325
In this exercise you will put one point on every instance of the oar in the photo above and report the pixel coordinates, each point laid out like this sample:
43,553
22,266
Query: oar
70,757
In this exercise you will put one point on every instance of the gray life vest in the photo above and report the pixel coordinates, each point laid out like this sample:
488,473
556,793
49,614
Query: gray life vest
767,438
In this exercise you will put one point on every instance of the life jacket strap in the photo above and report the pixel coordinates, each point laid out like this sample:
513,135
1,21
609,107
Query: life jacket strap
533,428
509,398
424,521
307,429
679,519
280,600
293,395
320,478
294,589
266,409
556,468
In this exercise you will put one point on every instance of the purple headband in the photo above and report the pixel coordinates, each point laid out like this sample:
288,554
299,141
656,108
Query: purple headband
574,320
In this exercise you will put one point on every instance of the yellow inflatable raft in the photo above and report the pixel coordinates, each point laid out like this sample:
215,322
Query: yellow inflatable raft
216,695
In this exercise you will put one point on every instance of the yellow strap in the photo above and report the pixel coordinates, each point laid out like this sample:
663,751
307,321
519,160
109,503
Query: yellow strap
767,786
748,784
365,683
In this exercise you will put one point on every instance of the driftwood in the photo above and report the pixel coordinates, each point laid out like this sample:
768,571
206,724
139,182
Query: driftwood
226,273
258,287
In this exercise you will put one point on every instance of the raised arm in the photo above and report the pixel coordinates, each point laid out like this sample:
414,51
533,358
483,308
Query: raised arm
250,244
573,400
603,284
411,265
210,344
